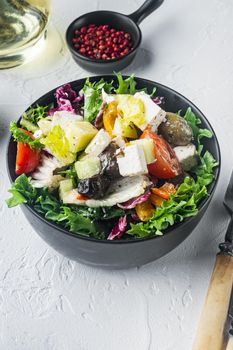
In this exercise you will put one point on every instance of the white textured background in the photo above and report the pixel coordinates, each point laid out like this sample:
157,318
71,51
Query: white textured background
49,302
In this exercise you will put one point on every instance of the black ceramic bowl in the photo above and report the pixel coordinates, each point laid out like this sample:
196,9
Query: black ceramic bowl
120,253
118,21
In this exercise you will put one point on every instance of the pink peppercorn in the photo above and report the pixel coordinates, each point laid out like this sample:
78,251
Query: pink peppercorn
102,42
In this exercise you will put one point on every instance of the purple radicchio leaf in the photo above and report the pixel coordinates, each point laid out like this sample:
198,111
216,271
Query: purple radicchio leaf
119,229
67,100
159,100
131,203
99,118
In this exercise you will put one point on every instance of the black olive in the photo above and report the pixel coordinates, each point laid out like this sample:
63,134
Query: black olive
176,130
109,164
94,187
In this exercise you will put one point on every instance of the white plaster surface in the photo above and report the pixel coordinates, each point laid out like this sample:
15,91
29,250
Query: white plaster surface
49,302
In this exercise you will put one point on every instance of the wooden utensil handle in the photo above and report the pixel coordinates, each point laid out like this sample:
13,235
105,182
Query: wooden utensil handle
230,344
211,326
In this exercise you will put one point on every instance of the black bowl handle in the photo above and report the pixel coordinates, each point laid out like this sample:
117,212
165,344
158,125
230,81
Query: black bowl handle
145,10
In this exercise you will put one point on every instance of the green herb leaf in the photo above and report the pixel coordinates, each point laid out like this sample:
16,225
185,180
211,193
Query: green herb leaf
16,199
204,170
78,223
125,86
22,192
198,132
20,136
128,86
181,205
30,118
93,101
49,205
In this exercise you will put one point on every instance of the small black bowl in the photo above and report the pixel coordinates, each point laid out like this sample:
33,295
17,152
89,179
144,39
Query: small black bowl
118,21
120,253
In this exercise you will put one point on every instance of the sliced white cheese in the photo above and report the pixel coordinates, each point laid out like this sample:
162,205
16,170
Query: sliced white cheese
134,161
98,143
120,191
153,114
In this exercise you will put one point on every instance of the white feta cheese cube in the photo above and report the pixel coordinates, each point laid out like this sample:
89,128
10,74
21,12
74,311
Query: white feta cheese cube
187,156
153,114
98,143
134,162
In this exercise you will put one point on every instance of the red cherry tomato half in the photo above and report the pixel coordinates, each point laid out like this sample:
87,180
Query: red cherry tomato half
166,165
27,159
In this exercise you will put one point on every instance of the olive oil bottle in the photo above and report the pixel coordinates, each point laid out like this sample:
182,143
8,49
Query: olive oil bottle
23,26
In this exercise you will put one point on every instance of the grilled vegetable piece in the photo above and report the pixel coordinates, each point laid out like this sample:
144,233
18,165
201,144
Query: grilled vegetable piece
94,187
109,117
156,200
176,130
88,167
120,191
109,162
145,210
187,156
164,191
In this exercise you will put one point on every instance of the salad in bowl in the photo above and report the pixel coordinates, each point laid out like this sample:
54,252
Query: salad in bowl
109,162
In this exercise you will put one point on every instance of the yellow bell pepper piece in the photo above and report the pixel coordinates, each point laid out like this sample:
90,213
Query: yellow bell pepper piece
156,200
145,210
109,117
